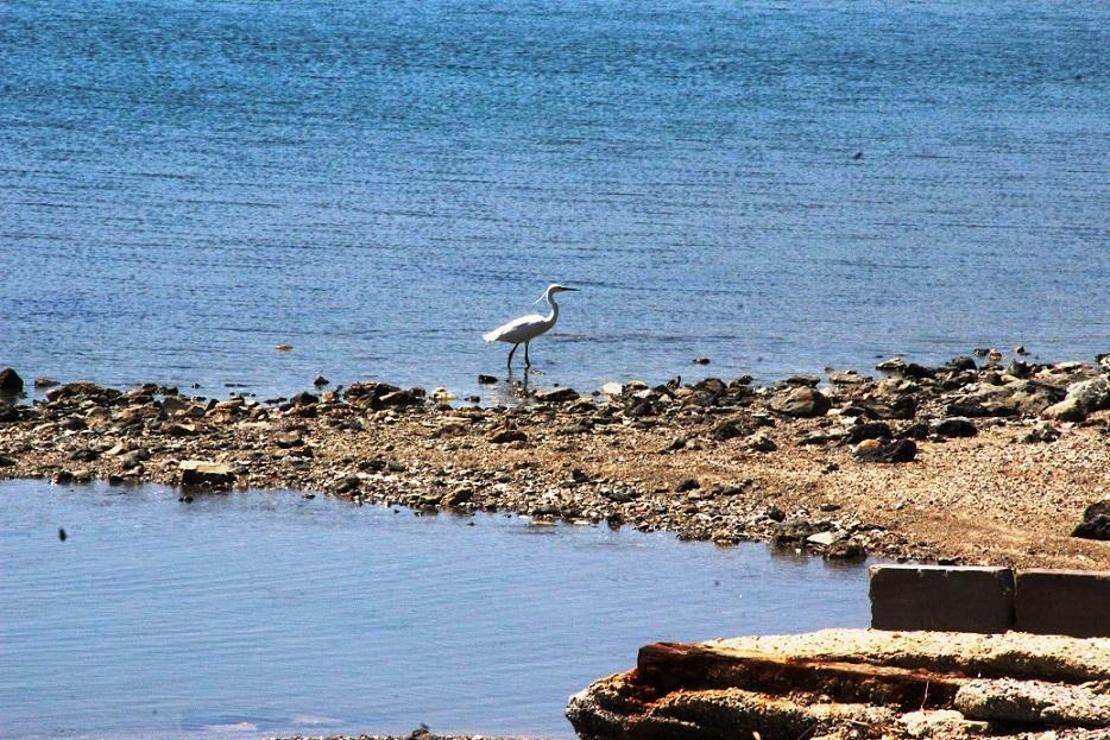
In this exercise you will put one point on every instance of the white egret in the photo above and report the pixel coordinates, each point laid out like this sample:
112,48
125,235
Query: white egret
527,328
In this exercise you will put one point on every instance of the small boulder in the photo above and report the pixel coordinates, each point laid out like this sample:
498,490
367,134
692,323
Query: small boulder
728,429
687,484
457,497
868,430
898,451
557,395
762,443
10,382
321,381
44,382
205,473
304,398
508,435
1083,398
955,426
804,402
894,364
1096,522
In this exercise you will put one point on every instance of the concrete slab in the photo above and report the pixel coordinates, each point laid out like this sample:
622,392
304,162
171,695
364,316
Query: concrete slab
942,598
1063,602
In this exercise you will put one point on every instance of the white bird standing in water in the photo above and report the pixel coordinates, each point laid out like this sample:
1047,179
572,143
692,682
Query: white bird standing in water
527,328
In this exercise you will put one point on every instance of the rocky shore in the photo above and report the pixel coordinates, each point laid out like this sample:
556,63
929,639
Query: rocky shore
979,460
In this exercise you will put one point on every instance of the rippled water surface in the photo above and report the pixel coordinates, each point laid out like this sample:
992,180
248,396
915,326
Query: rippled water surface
265,613
780,186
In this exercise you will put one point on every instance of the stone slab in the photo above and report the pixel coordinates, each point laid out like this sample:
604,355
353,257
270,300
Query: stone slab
941,598
1063,602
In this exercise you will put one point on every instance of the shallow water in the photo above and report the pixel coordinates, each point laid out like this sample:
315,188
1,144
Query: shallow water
185,185
265,612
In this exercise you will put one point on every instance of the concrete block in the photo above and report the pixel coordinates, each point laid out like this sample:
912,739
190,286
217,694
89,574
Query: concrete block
1063,602
930,597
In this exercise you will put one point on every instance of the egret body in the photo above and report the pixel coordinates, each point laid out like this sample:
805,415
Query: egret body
526,328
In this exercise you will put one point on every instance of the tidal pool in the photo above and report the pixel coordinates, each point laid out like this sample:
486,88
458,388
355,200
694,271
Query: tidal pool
265,612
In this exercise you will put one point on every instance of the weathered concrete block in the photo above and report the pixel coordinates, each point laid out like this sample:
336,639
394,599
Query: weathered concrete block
1063,602
955,599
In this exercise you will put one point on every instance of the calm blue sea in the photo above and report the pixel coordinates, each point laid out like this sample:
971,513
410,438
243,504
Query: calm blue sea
260,614
780,186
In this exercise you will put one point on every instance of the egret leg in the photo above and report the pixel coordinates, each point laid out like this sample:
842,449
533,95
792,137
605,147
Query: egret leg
509,364
527,362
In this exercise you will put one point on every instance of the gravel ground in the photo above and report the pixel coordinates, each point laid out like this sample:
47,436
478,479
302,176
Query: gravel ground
962,463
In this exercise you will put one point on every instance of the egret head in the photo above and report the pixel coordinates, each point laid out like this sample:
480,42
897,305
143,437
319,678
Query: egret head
552,290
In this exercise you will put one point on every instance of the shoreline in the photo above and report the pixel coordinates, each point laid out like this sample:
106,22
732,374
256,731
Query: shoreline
970,462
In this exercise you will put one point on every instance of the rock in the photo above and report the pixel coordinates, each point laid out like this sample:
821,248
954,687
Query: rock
131,459
10,382
955,426
175,405
457,497
1043,432
205,473
486,379
321,381
804,402
288,440
961,363
851,377
899,451
640,409
894,364
1020,350
8,412
347,484
181,430
400,398
917,430
442,395
508,435
1096,522
304,398
762,443
845,549
44,382
612,389
283,347
824,539
82,389
1082,398
803,379
792,531
701,360
557,395
687,484
728,430
868,430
